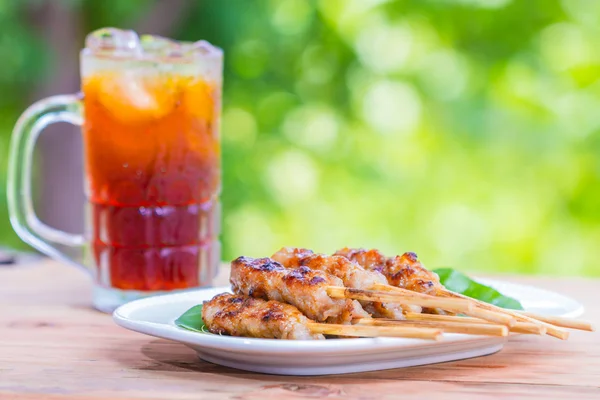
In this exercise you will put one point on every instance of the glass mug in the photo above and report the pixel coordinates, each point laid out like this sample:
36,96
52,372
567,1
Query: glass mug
150,114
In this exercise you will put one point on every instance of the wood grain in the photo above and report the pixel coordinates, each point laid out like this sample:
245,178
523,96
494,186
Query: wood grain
54,346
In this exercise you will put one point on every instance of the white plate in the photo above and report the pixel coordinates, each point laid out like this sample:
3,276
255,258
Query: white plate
155,316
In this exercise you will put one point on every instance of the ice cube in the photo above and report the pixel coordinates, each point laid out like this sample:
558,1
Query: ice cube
159,46
134,97
206,49
114,40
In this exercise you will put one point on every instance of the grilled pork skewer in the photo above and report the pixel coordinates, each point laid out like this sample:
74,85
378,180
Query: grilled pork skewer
351,276
403,271
356,277
239,315
302,287
407,272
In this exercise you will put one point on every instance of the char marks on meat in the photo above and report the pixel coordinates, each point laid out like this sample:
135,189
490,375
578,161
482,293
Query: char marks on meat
302,287
238,315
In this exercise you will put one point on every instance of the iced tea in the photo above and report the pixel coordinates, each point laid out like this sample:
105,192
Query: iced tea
152,155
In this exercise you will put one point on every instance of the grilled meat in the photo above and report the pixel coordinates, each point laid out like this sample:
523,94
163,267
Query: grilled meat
301,287
238,315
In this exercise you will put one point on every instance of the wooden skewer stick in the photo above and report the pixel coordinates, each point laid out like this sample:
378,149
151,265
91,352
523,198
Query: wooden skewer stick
339,292
551,330
518,327
450,327
376,331
477,312
493,316
563,322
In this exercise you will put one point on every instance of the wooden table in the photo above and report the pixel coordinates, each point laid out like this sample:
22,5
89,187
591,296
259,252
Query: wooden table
54,346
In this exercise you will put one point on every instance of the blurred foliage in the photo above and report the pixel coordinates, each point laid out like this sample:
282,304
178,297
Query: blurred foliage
464,130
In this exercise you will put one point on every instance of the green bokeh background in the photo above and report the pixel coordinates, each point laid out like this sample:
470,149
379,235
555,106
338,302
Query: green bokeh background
466,131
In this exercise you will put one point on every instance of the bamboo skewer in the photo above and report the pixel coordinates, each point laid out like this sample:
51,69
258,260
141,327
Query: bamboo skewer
445,326
477,312
376,331
493,316
518,327
550,329
562,322
340,292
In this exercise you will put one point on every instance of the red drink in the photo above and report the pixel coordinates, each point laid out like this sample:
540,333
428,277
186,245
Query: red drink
152,156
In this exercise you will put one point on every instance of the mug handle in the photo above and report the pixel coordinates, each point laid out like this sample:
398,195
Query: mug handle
55,243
